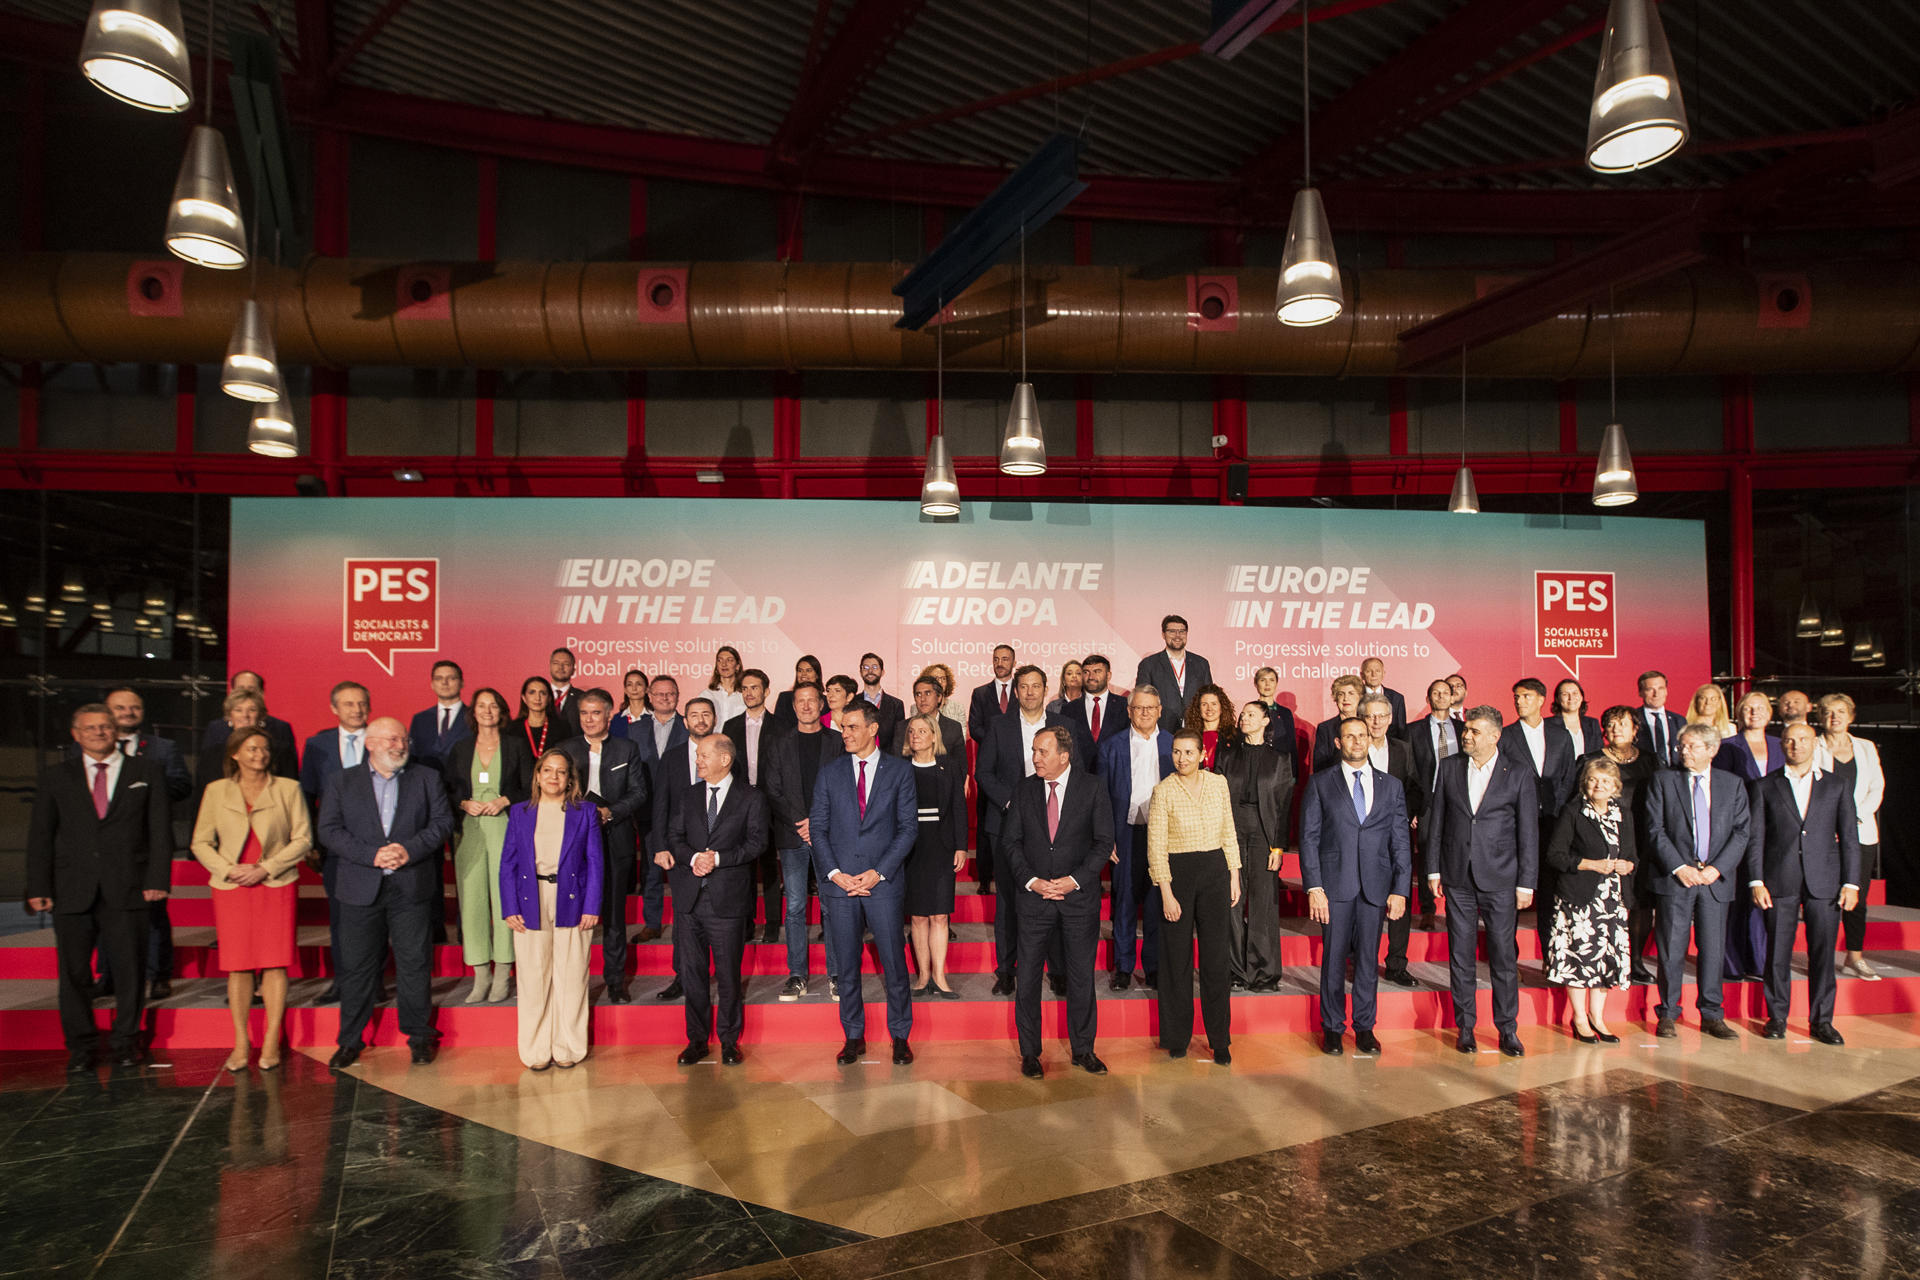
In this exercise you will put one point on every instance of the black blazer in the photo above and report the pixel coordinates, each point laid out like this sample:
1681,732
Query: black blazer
1423,754
1282,733
558,731
350,830
1002,764
1268,775
1576,837
1395,699
1643,738
984,708
1113,722
516,769
784,782
568,711
770,729
1326,743
952,830
892,712
738,836
1079,848
1811,856
952,737
670,779
1553,785
1400,769
1589,740
1497,848
166,755
74,855
624,788
218,730
1156,669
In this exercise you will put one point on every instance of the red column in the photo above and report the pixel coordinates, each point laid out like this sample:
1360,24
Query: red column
1740,575
327,414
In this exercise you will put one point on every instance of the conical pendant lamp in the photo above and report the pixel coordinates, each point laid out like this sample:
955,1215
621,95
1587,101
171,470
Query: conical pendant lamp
1466,498
1807,625
273,432
136,51
1637,117
939,486
1023,447
1310,291
1614,484
250,371
203,222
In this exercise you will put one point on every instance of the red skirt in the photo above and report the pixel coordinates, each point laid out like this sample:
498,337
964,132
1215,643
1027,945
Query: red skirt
254,926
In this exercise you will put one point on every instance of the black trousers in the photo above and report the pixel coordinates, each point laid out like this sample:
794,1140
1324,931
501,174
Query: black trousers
121,935
407,926
707,945
1401,930
616,885
160,945
773,889
1200,887
1823,930
1253,926
1642,920
329,874
1853,923
1071,929
1692,910
1467,907
1007,906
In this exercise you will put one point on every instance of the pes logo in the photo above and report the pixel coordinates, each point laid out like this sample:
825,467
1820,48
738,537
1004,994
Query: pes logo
389,607
1573,614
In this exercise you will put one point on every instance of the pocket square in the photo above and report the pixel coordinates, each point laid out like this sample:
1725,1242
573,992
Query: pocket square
616,768
135,786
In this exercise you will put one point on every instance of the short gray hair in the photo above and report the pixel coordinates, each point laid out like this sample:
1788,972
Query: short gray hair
1485,714
1143,691
1706,734
1372,698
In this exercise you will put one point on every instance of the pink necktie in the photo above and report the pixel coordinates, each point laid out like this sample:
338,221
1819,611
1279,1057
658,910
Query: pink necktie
1053,810
100,788
863,789
1003,699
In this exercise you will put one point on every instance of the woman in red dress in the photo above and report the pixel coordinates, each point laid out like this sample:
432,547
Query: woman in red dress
251,835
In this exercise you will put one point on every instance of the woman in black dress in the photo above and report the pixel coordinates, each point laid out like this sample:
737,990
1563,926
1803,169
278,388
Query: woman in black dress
536,725
1592,849
1261,782
1618,725
940,784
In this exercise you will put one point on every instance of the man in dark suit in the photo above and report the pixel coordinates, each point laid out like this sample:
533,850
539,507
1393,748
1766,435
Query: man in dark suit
385,820
99,850
434,731
1658,729
1697,817
990,701
1173,672
1373,678
278,730
1545,751
753,733
561,665
1006,757
1098,713
616,783
1393,757
1803,858
129,712
1346,692
1131,765
1355,859
327,754
890,709
718,829
926,702
1056,835
656,734
792,780
1483,854
1432,738
677,770
865,819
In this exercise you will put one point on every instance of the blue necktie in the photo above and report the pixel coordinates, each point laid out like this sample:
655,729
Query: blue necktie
713,806
1700,832
1359,798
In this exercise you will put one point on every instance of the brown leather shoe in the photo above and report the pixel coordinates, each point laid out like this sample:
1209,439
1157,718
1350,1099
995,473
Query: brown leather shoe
647,934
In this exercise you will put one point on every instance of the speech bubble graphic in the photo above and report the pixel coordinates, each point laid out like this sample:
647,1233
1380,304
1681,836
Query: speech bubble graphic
390,606
1573,616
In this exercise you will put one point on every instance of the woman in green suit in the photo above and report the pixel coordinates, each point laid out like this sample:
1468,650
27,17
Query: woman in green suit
486,771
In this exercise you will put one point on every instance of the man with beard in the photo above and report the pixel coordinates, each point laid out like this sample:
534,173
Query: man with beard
679,769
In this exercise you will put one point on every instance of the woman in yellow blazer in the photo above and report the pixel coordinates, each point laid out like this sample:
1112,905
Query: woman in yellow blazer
251,834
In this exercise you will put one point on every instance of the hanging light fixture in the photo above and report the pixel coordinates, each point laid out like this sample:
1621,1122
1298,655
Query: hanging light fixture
35,600
1807,626
1878,658
273,432
136,51
73,587
250,371
1023,449
1637,118
1614,484
1466,498
1833,634
1862,644
1310,291
939,486
204,225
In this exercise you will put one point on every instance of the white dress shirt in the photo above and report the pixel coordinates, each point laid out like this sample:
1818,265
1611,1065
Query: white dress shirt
443,721
1802,786
1363,772
719,790
1536,736
1478,776
1029,730
113,762
754,725
593,765
1377,757
1144,751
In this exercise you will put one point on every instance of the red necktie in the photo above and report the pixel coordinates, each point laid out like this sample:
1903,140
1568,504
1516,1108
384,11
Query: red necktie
1096,718
863,788
100,788
1053,810
1003,699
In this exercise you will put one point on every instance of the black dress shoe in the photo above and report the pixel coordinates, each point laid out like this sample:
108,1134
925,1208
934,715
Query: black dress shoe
1364,1042
1239,984
1003,986
1058,984
423,1054
1221,1058
101,990
162,989
344,1057
1464,1043
1776,1029
1398,977
1120,981
1665,1029
770,934
1330,1044
1030,1068
1425,922
132,1057
730,1055
672,991
617,993
694,1052
330,996
647,934
902,1053
1151,981
851,1052
1181,1052
1718,1029
1090,1064
1825,1034
80,1060
1511,1046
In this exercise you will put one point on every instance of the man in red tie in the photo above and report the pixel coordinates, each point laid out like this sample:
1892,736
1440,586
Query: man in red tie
99,849
1098,713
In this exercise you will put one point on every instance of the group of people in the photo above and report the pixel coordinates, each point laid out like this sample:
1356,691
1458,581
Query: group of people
557,809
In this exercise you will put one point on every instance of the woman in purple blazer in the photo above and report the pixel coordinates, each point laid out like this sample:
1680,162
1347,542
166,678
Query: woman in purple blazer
551,874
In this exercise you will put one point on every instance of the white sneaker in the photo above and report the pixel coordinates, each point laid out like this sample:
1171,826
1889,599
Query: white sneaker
795,988
833,989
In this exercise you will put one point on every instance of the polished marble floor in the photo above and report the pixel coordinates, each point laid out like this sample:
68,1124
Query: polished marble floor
1651,1158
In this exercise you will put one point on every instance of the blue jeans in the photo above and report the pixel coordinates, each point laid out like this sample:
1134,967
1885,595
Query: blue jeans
794,866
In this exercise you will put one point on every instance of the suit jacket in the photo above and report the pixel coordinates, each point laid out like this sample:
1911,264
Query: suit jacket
844,840
1812,856
568,710
952,737
1080,846
1422,755
784,782
280,820
736,729
1003,762
671,776
624,788
424,739
1644,739
1589,740
1737,760
641,736
1113,723
1577,837
1268,775
1400,769
984,708
1282,732
1116,770
164,753
1326,743
738,836
516,770
1156,669
1497,847
581,871
218,730
1348,858
320,764
1554,784
891,710
1670,831
1398,701
73,854
350,830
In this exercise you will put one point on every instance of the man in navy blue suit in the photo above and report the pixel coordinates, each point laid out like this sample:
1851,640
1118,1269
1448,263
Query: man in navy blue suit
327,753
864,822
1698,819
1483,856
1658,729
1355,860
655,734
434,731
1132,765
384,820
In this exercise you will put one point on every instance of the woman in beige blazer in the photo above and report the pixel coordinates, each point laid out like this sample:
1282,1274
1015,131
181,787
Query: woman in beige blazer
251,835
